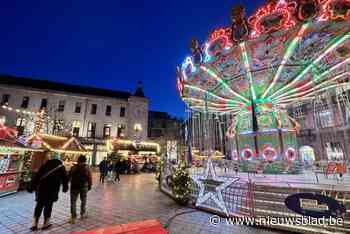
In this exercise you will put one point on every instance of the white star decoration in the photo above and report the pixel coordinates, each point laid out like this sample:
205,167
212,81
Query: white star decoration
219,183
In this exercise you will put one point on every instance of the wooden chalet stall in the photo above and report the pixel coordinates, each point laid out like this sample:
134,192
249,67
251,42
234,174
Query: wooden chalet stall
68,149
134,149
14,157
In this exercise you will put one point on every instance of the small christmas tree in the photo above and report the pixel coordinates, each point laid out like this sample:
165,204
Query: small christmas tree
26,175
181,184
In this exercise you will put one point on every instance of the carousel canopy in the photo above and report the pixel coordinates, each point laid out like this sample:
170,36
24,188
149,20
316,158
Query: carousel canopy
57,144
286,52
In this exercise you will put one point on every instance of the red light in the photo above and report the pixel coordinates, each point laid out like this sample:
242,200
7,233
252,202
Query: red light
282,8
221,33
328,11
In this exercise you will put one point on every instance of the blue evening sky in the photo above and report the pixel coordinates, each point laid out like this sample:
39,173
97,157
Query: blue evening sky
109,44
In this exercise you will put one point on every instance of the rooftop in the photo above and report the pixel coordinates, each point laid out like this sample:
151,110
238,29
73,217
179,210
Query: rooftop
56,86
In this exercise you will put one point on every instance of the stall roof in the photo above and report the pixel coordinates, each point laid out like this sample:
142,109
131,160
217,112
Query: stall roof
121,144
58,144
8,141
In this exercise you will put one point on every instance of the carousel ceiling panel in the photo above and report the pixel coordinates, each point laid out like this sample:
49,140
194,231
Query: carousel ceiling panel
267,51
228,65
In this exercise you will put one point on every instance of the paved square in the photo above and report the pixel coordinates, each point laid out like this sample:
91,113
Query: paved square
135,198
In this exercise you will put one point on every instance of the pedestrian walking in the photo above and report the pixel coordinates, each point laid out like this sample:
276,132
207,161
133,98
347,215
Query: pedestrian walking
103,169
110,171
117,169
80,183
46,184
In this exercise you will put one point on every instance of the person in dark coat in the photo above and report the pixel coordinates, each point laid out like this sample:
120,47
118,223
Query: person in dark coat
47,183
103,169
110,170
117,169
80,183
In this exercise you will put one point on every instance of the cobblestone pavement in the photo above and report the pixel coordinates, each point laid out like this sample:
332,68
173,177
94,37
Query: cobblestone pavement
135,198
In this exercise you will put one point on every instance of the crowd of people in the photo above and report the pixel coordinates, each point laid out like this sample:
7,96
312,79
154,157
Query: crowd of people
111,169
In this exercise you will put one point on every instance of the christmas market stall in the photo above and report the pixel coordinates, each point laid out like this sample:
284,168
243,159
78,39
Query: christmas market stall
14,161
137,150
67,149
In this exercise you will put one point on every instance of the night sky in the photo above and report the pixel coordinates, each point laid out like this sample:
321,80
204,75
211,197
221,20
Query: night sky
109,44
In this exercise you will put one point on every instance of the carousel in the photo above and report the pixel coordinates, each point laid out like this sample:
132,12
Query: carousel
251,72
243,81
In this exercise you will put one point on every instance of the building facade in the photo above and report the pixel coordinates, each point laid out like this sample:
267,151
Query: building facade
325,126
164,129
91,114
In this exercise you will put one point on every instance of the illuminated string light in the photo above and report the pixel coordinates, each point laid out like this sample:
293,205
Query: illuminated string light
207,92
110,144
310,90
188,62
282,8
44,140
334,44
291,48
314,80
327,13
223,83
247,68
9,108
215,194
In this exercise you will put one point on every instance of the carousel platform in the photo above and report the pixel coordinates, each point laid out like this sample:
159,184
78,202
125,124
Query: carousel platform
259,195
307,179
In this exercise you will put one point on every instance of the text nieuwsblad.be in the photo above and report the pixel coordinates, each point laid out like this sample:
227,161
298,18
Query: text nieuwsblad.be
270,221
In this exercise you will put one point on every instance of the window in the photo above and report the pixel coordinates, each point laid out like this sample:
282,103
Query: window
91,129
43,103
137,127
77,107
326,119
61,105
93,109
20,124
58,126
25,102
120,130
108,110
106,130
5,99
76,128
122,111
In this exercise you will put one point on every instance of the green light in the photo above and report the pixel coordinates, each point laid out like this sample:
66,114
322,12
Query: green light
206,92
333,44
247,67
223,83
313,81
291,48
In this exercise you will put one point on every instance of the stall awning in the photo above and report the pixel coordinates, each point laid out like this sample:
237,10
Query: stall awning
59,144
9,142
115,145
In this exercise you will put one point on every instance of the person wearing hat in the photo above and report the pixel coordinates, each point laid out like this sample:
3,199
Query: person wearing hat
46,183
80,183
